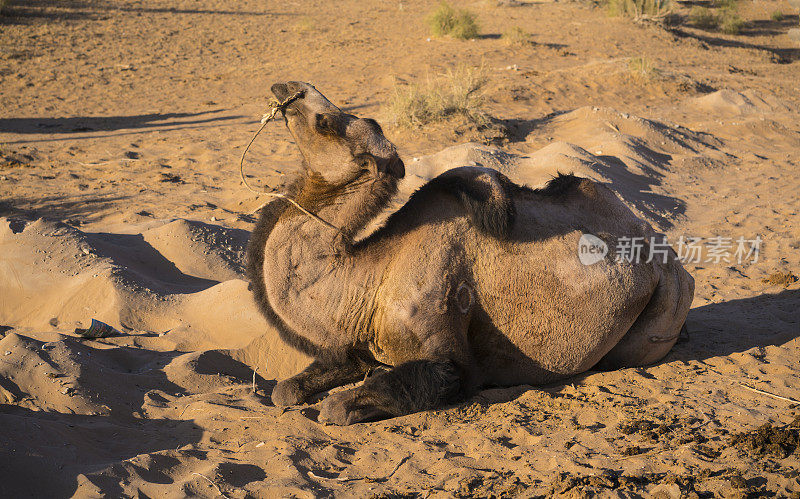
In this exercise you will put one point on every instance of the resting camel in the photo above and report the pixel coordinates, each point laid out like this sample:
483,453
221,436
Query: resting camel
474,282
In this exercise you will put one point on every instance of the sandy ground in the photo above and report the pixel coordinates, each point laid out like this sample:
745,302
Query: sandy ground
121,123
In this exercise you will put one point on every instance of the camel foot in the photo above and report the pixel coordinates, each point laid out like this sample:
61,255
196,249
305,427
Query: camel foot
317,377
288,392
344,408
411,387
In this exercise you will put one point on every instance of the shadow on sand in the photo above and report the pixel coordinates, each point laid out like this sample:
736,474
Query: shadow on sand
84,124
779,55
734,326
61,445
43,453
23,12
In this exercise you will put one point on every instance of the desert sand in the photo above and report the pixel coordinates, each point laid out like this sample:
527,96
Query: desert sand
121,125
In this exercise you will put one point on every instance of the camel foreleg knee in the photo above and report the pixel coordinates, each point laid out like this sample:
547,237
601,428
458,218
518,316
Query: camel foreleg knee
318,377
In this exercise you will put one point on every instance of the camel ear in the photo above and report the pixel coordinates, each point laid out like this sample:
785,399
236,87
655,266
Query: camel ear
394,166
327,124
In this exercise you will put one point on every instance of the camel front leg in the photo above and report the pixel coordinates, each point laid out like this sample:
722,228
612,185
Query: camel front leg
318,377
410,387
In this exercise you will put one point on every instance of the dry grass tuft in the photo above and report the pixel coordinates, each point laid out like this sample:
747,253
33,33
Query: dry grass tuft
730,22
703,18
304,25
517,37
777,16
643,69
783,279
727,20
447,21
638,9
457,92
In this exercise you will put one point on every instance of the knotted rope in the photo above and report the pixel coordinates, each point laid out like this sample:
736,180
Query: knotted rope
278,106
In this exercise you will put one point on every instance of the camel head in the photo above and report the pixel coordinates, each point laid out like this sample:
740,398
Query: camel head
337,146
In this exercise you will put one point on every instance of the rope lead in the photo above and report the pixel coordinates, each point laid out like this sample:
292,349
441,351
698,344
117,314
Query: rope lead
278,106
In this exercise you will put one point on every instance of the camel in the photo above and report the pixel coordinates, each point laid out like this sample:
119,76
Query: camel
474,282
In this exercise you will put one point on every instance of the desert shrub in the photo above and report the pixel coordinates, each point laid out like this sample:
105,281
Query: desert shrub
730,23
457,92
726,4
642,68
703,18
639,8
304,25
447,21
517,36
3,4
777,16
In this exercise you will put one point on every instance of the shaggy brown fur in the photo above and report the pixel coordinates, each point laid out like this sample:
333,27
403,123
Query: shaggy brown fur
474,281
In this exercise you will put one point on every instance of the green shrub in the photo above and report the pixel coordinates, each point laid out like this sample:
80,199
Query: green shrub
639,8
457,92
517,36
777,16
730,22
304,25
447,21
703,18
642,68
726,4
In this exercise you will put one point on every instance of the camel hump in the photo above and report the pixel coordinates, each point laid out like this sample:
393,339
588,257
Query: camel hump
486,195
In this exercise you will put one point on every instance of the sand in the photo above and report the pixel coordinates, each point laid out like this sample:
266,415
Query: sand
121,125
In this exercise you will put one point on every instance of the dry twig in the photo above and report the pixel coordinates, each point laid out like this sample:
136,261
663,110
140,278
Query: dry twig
762,392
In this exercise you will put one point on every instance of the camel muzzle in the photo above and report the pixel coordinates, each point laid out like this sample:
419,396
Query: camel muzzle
312,100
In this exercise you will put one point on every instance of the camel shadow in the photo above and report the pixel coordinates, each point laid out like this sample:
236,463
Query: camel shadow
725,328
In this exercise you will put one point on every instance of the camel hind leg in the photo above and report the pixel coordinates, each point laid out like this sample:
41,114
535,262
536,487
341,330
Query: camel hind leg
658,327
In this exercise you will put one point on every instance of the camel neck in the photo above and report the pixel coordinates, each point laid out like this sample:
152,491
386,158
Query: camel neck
349,207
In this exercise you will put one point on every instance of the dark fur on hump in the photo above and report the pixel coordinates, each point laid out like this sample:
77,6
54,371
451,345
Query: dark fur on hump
485,194
255,273
559,185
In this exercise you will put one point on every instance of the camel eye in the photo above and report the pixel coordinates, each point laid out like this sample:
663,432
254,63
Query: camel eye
365,161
